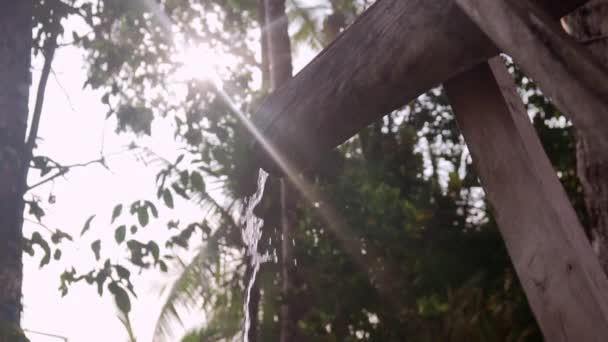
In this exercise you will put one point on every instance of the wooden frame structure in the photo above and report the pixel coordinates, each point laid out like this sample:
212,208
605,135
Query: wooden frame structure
400,48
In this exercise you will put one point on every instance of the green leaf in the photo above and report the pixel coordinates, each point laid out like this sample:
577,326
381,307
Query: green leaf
87,225
163,266
45,260
184,177
27,246
116,212
120,233
142,217
122,272
152,208
168,198
135,206
180,191
121,297
58,235
39,240
153,248
100,280
197,181
96,248
36,210
42,163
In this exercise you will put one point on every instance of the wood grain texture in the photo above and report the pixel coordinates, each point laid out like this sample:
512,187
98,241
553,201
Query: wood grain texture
563,69
562,278
395,51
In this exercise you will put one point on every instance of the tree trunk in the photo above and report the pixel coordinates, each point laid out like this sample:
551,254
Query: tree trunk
589,25
279,45
279,48
254,299
265,63
15,50
288,324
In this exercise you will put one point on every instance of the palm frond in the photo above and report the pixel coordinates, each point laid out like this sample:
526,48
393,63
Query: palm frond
190,288
182,294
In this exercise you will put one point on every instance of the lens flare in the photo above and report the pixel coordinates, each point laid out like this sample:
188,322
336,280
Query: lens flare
201,63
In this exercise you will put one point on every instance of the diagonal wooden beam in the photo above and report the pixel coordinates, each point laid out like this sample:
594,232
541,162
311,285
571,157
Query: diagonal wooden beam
395,51
562,278
564,70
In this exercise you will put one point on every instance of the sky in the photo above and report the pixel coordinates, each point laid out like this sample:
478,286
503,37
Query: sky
73,129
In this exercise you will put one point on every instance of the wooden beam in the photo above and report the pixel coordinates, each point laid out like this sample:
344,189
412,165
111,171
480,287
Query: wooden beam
395,51
564,283
564,70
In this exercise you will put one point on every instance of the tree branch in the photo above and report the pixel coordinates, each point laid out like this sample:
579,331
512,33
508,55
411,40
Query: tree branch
593,39
59,337
49,53
65,169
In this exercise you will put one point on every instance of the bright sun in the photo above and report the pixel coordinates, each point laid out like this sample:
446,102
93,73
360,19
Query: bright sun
201,62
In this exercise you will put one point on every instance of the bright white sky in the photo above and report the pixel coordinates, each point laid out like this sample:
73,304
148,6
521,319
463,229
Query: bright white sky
72,131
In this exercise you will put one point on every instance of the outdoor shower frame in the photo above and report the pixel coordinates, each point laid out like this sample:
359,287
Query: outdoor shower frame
400,48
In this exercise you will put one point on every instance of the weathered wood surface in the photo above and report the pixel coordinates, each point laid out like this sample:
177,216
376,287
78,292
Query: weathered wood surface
564,70
395,51
562,278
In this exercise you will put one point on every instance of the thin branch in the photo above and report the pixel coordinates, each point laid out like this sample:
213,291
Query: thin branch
39,224
75,41
593,39
49,229
65,169
46,334
101,160
49,53
44,181
65,93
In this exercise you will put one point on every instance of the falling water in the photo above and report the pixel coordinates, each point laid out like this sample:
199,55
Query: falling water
252,232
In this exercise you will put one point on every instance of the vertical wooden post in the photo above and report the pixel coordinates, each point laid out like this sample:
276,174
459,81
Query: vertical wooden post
279,46
564,283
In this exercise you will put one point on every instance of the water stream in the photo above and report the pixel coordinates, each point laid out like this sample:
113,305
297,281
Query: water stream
252,232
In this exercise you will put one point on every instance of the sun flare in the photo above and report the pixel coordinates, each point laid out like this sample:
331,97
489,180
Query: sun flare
200,62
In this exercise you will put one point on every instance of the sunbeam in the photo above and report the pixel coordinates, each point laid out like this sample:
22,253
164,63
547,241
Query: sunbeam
327,213
200,63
